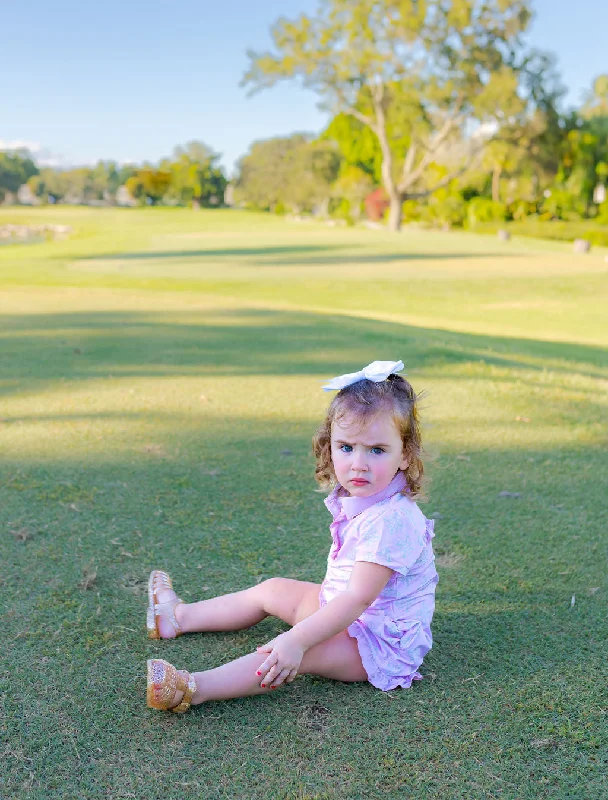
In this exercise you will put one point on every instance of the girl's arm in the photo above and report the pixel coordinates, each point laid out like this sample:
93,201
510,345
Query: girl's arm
366,582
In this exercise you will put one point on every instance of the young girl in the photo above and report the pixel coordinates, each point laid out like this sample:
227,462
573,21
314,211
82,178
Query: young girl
370,618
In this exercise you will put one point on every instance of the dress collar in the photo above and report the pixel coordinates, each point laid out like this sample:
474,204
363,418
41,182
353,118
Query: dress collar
355,505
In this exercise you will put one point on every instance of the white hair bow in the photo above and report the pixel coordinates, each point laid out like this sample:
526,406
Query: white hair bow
377,371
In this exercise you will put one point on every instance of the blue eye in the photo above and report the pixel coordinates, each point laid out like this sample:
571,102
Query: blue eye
377,451
346,448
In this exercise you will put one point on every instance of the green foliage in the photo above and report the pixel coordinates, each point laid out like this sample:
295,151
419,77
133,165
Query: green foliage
192,177
357,143
15,170
520,209
416,74
196,179
149,185
445,209
559,202
49,185
295,172
339,208
79,185
602,216
596,104
584,157
482,209
353,185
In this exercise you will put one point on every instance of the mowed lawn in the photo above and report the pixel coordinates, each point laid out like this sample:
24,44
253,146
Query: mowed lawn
160,376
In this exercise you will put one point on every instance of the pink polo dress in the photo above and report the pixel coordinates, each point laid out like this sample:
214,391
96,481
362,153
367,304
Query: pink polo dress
394,634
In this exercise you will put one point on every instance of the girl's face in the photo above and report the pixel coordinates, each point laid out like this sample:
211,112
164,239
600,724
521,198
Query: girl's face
366,457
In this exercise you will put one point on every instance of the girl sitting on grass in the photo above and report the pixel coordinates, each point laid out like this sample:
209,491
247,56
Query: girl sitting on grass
370,618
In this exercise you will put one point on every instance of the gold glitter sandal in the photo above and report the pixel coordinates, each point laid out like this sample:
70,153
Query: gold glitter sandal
160,580
164,680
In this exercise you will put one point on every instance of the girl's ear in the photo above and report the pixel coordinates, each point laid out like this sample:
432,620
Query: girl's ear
405,461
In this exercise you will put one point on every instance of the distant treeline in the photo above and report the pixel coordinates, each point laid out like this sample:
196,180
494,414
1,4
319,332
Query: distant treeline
543,165
191,177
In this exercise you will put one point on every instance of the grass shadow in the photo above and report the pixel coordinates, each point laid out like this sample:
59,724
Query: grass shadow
42,348
293,255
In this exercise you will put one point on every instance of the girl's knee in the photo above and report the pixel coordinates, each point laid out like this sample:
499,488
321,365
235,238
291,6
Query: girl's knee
272,587
282,597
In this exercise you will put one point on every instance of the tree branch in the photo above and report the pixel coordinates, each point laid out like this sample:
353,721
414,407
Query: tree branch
438,139
448,179
352,111
409,160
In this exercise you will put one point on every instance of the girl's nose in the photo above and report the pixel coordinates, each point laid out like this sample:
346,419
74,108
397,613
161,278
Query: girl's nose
359,461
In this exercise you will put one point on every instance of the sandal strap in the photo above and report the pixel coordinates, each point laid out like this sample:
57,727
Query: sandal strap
167,611
162,578
188,688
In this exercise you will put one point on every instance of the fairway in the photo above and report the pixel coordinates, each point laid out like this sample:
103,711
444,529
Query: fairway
160,375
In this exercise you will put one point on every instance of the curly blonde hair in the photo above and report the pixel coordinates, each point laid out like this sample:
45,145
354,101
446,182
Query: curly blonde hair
362,401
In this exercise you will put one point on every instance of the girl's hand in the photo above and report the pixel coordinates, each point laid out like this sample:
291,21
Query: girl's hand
283,662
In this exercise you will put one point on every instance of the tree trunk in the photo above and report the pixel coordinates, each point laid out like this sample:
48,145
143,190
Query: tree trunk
386,168
496,183
394,214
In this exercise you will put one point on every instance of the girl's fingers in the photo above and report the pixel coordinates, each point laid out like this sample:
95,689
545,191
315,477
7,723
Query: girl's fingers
268,677
273,673
280,678
266,665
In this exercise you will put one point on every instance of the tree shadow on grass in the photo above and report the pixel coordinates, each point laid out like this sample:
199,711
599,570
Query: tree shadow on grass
45,348
286,256
219,252
543,634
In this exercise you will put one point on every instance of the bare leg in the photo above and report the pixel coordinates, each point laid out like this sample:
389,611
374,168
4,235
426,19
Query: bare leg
278,597
229,612
336,658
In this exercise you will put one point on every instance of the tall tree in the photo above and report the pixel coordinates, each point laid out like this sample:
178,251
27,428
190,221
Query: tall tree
418,71
530,138
292,171
49,184
584,161
148,184
196,178
15,169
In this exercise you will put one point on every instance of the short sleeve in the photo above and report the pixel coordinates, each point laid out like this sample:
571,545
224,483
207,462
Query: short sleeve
395,539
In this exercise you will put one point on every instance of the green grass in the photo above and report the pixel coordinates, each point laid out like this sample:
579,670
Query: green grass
596,233
155,369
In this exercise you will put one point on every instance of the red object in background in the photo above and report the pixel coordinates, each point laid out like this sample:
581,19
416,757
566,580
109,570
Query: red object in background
376,204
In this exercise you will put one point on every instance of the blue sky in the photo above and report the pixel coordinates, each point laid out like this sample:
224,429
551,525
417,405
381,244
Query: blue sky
130,80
